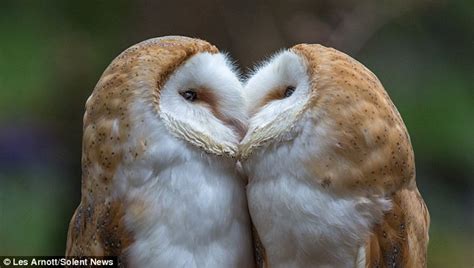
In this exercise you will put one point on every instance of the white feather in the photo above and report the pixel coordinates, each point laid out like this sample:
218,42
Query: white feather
195,211
214,72
361,261
275,121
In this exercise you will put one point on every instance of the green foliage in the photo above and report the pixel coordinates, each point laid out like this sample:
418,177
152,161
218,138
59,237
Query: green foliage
34,210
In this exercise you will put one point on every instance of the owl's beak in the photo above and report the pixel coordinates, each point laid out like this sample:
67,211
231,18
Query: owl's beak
239,127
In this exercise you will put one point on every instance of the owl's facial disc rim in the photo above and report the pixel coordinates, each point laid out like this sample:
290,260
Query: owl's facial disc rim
200,101
277,97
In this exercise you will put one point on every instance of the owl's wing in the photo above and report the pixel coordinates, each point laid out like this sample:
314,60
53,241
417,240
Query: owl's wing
259,250
372,149
98,230
401,238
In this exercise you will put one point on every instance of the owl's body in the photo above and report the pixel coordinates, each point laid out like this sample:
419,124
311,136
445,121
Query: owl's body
193,215
160,187
330,166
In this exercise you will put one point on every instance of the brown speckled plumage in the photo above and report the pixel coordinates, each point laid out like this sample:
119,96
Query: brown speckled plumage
401,238
372,155
373,149
97,227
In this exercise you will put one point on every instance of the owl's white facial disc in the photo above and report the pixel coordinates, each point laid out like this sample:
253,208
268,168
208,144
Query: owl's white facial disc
202,103
275,98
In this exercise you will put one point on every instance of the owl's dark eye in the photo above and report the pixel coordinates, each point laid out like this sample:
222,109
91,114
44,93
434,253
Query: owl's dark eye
289,91
189,95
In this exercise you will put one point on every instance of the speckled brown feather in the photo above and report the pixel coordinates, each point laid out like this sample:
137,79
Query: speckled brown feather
97,227
371,153
401,238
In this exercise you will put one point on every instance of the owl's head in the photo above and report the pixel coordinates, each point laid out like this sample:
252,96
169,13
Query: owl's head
184,83
333,111
161,90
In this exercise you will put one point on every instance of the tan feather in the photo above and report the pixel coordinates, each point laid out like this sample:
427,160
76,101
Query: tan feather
97,227
373,154
401,238
373,149
365,152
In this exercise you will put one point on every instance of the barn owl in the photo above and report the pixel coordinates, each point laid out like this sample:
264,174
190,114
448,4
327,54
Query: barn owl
159,183
330,166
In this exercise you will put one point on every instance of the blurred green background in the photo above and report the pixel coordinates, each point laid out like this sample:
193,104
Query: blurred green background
53,52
